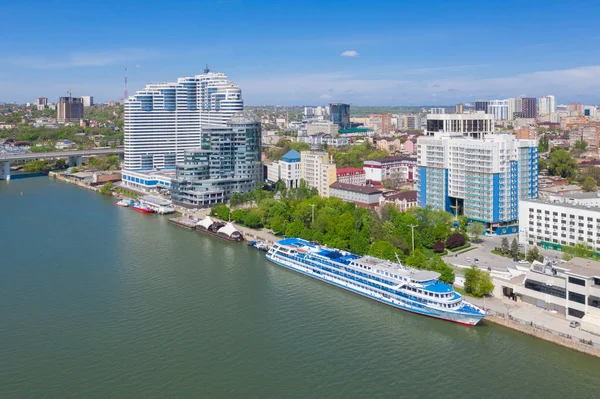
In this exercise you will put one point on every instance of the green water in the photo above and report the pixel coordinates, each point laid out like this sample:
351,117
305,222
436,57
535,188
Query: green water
98,301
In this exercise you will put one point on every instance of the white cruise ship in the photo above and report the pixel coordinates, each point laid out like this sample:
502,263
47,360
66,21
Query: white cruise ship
417,291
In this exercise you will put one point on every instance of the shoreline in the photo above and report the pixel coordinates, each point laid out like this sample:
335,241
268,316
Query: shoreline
494,315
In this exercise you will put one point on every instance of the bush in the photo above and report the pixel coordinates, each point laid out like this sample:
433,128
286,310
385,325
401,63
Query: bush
477,282
455,240
438,246
107,188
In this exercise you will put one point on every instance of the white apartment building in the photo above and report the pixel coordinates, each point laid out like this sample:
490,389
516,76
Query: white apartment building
287,170
472,125
514,105
88,101
499,108
163,120
547,105
327,127
317,170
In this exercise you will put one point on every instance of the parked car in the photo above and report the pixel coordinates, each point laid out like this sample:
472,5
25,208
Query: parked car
476,260
468,258
523,262
574,324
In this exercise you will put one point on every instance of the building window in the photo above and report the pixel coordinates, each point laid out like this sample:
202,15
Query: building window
575,297
576,313
577,281
546,289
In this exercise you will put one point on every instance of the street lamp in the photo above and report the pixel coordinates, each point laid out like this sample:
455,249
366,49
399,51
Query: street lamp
412,229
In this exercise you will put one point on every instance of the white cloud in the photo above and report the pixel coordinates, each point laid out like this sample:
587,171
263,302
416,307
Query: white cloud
84,59
350,53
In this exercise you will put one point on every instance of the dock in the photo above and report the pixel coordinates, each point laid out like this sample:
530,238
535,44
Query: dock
185,222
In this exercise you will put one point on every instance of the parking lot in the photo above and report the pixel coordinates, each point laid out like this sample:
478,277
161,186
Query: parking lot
482,252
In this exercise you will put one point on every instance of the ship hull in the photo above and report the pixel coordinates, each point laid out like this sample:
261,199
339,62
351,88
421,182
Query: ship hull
142,210
463,319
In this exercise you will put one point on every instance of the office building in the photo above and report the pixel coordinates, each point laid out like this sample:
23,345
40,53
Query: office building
547,105
287,170
473,125
482,178
163,120
340,115
69,109
380,169
481,105
318,170
499,109
354,176
459,109
437,110
381,123
228,160
326,127
88,101
529,107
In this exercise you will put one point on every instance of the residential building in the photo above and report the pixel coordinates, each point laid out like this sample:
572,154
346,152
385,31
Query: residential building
459,109
340,115
591,199
589,133
381,123
320,139
287,170
589,111
529,107
413,122
402,201
41,102
438,110
88,101
379,169
525,133
366,196
163,120
498,108
547,105
65,144
318,170
481,178
69,109
482,105
409,147
575,109
354,176
515,106
472,125
388,145
227,161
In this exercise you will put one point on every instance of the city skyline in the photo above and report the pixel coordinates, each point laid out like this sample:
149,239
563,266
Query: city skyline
318,53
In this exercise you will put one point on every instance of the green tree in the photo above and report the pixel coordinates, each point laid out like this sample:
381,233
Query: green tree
107,188
561,163
514,248
581,145
589,184
475,229
534,254
543,144
221,211
505,248
477,282
36,166
253,218
542,164
383,250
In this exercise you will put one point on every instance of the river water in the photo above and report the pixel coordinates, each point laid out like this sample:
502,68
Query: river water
98,301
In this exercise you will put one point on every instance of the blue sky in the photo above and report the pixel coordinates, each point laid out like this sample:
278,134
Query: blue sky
306,52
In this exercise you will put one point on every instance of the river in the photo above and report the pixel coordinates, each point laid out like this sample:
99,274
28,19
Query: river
98,301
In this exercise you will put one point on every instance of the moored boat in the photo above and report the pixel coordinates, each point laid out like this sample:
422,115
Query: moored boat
413,290
123,202
142,208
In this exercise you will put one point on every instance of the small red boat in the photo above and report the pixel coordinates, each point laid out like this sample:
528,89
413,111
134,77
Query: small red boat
142,209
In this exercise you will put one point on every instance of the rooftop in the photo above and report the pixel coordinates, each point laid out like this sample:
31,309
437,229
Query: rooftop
410,196
355,188
355,130
589,195
353,171
563,204
291,156
398,158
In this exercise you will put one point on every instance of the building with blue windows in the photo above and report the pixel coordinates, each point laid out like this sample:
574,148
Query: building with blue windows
481,176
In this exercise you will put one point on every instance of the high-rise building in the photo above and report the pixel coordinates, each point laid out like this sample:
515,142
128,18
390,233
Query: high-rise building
480,178
529,107
317,170
41,102
69,109
88,101
459,109
547,105
515,106
413,122
340,115
381,123
474,125
228,160
437,110
163,120
499,108
481,105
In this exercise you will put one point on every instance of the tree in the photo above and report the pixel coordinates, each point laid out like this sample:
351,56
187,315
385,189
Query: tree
107,188
383,250
543,144
253,218
36,166
221,211
60,164
589,184
561,163
438,246
477,282
455,240
581,145
505,247
534,254
514,248
475,229
542,164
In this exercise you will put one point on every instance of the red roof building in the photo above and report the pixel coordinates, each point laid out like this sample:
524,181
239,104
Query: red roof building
351,176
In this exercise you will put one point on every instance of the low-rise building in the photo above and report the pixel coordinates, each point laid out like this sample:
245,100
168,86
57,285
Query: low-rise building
64,144
582,199
351,176
544,193
148,180
399,200
366,196
287,169
379,169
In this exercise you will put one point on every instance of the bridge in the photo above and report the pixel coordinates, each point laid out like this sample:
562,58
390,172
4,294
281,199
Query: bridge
75,157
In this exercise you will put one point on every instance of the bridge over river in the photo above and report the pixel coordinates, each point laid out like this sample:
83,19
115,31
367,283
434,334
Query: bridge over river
75,157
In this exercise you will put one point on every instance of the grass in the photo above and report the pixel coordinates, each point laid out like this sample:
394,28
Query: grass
467,250
466,245
130,194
